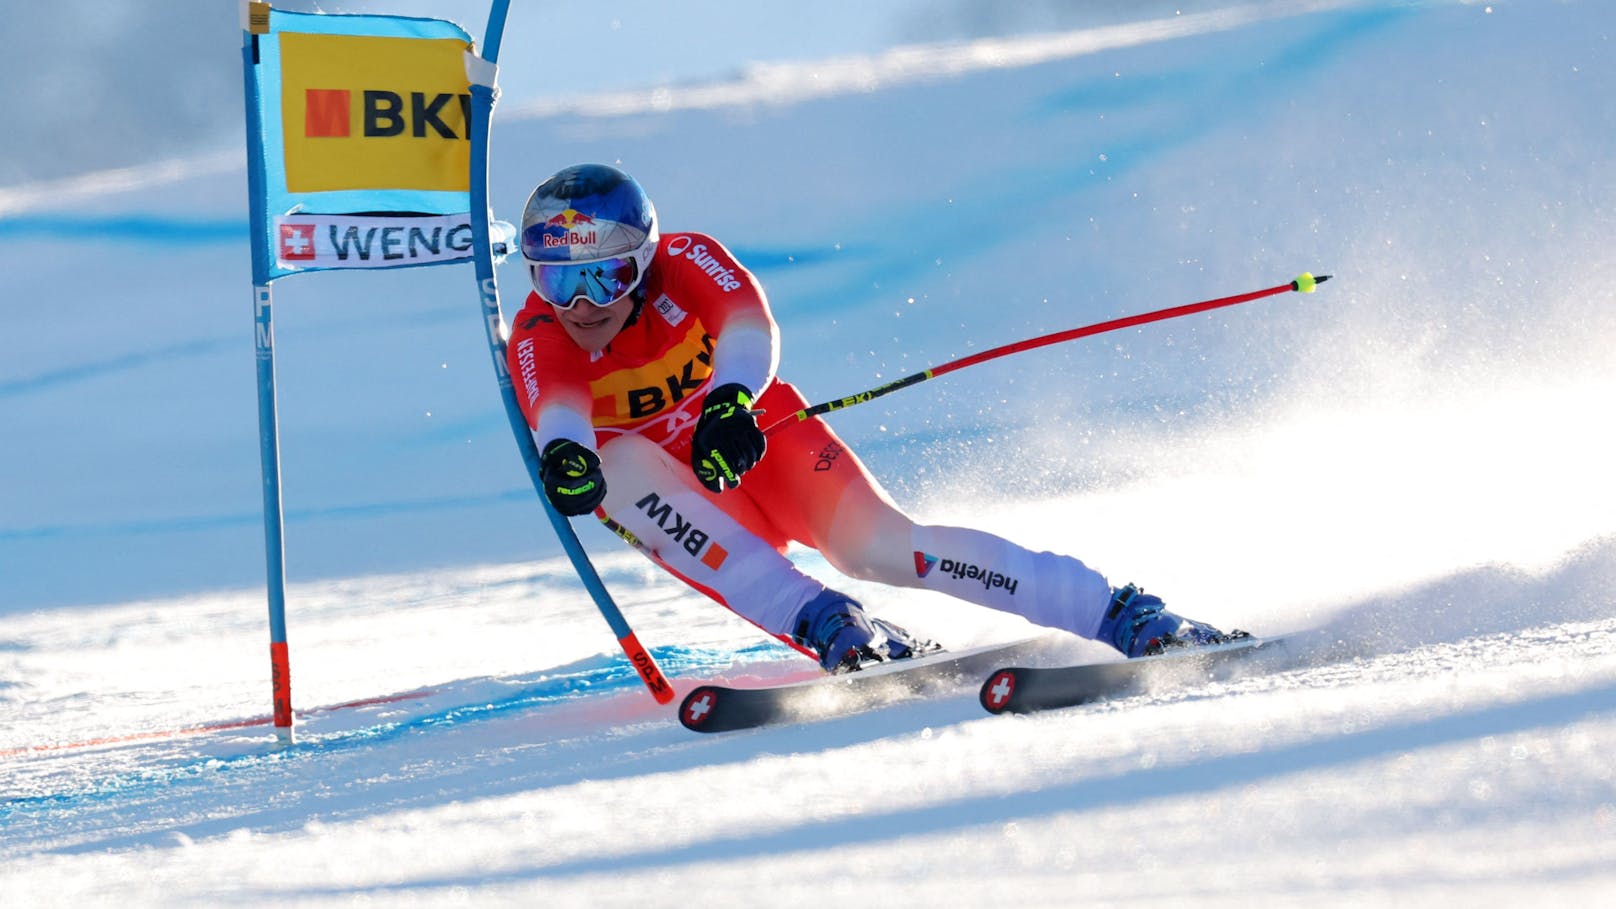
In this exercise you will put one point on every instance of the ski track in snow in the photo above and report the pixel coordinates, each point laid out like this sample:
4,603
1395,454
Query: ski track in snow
1406,471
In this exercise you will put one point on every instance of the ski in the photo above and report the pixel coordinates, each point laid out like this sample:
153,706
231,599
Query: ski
1015,689
721,708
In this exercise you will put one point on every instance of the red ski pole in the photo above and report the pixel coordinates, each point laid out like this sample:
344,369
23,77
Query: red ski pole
1305,283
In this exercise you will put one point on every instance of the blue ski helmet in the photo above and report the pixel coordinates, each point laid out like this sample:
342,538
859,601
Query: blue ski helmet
588,233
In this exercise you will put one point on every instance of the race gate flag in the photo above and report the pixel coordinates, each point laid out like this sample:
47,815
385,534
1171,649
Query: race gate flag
361,141
367,142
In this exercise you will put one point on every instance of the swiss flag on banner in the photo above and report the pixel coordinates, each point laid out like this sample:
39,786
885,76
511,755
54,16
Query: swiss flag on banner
297,243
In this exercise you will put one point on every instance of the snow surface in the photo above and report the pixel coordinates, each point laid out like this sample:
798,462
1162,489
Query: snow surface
1410,466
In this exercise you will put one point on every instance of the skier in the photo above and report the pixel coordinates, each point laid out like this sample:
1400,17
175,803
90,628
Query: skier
641,361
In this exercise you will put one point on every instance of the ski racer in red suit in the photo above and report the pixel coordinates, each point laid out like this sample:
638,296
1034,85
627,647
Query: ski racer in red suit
641,360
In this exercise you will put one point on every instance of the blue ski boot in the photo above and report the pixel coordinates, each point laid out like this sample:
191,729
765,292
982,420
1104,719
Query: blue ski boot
1138,624
835,627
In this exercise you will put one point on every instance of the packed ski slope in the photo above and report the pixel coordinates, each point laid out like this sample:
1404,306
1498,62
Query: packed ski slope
1408,469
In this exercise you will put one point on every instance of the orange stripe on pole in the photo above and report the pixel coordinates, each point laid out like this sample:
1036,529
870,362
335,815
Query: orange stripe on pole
647,667
280,670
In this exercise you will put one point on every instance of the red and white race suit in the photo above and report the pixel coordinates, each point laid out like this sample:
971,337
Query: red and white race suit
706,322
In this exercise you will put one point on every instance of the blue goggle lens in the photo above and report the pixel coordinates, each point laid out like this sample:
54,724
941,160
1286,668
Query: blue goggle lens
601,283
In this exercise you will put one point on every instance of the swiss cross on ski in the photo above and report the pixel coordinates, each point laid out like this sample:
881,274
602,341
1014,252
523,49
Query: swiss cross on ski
1027,689
996,693
698,706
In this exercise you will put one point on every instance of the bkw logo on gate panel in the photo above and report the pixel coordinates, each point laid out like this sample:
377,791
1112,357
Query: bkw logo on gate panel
360,112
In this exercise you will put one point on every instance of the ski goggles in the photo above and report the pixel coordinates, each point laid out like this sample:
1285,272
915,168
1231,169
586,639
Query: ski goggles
601,283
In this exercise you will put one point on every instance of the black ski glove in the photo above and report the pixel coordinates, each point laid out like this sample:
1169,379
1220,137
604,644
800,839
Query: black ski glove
727,442
571,477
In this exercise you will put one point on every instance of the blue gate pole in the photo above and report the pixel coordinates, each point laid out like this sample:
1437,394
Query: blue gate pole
268,424
482,107
269,453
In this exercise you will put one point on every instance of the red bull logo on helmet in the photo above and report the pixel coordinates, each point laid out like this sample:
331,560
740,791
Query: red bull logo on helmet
570,228
569,219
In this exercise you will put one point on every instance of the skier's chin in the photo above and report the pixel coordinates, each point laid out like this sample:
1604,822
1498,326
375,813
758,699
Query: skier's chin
593,328
592,339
